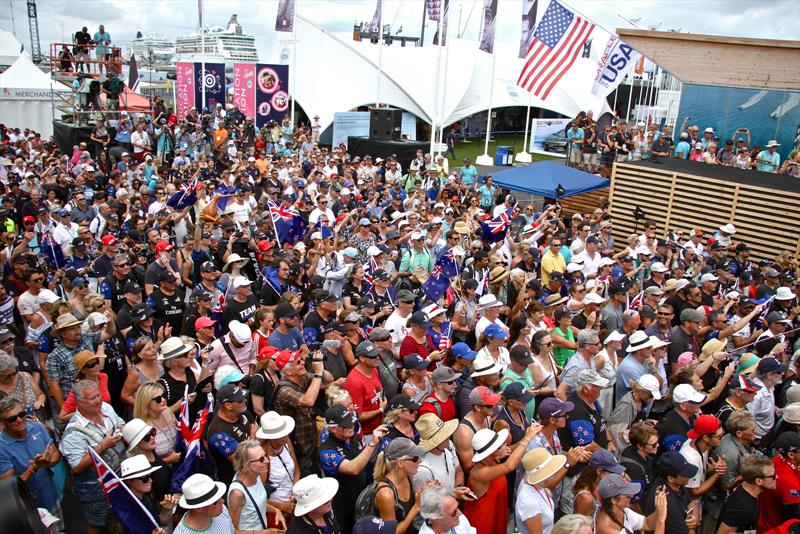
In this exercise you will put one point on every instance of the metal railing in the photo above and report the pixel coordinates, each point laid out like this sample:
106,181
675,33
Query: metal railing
68,60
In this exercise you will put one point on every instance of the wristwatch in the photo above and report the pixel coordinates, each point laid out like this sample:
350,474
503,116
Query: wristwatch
566,465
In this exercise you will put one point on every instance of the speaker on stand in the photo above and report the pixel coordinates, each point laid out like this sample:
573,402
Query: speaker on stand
385,123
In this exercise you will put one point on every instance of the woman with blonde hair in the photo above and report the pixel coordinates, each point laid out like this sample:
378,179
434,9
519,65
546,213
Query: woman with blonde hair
273,433
573,524
151,407
395,498
247,495
80,297
146,368
88,365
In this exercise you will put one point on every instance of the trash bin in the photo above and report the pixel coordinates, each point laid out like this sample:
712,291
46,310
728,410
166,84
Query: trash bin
504,156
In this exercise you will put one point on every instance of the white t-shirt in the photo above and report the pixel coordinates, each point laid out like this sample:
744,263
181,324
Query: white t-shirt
505,357
241,212
397,327
463,527
634,522
692,456
441,467
483,322
28,303
532,502
590,263
314,216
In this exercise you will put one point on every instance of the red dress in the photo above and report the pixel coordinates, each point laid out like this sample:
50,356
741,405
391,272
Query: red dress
489,514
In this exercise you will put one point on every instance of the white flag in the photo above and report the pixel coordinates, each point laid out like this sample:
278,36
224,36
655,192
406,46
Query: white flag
617,60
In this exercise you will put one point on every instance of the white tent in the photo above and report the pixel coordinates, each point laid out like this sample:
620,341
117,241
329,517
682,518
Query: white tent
27,95
10,48
335,74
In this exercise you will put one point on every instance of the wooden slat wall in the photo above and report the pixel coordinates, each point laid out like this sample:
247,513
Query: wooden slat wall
583,203
766,219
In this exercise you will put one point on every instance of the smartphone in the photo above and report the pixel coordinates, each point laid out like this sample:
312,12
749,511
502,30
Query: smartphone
471,496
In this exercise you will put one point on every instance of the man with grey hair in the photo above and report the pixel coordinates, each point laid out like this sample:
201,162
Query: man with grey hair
95,425
588,346
736,444
439,508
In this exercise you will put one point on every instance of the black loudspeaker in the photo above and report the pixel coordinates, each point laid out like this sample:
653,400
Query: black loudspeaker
385,123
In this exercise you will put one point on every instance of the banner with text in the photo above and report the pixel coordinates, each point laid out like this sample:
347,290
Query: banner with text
261,91
184,87
191,81
547,136
617,60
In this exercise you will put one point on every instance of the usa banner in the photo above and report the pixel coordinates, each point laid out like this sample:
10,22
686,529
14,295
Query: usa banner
617,60
184,87
271,93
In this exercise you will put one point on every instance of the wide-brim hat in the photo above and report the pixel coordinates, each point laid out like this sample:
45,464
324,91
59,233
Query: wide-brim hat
711,347
461,227
200,490
173,347
135,431
498,274
232,259
66,320
312,492
275,426
486,441
136,467
433,431
540,465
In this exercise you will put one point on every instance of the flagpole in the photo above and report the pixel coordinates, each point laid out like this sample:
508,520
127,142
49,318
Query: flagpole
631,81
616,94
436,85
524,156
443,100
292,80
203,59
486,159
274,227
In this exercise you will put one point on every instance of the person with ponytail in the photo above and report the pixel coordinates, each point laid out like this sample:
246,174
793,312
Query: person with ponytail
615,515
395,498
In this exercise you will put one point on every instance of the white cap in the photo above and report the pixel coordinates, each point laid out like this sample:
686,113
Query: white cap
436,220
687,393
728,228
88,168
681,285
438,205
416,235
613,336
458,251
574,267
316,235
240,281
650,383
709,130
643,251
240,331
373,250
344,191
708,277
47,296
607,261
593,298
251,159
658,267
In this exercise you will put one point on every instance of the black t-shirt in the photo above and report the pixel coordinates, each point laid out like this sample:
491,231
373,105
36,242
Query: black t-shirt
224,431
263,386
681,342
349,290
672,431
312,325
168,307
740,510
677,504
301,525
584,426
639,470
82,37
240,311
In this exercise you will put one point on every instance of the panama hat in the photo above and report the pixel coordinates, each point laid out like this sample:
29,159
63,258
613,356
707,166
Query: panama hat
312,492
462,228
711,347
540,465
486,441
173,347
66,320
275,426
200,490
84,357
232,259
136,467
433,431
134,432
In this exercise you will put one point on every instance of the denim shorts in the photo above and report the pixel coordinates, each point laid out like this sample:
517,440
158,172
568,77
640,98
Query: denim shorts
93,501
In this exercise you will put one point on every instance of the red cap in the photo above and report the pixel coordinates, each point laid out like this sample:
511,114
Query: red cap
285,357
267,352
29,219
109,239
484,395
203,322
264,245
705,424
162,246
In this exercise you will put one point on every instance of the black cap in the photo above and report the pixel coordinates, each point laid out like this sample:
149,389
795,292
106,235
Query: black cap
78,242
380,274
556,276
208,267
231,393
166,276
334,326
470,283
339,416
788,442
402,400
673,463
615,288
517,391
132,287
521,355
325,296
140,312
284,309
420,318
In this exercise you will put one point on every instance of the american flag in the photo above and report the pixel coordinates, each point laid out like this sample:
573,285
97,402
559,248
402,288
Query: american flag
558,41
447,338
129,510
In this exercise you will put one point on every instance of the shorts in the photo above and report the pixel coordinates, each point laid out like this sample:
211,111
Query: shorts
575,156
93,501
590,158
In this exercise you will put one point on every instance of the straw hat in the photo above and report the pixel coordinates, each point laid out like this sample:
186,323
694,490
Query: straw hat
66,320
498,274
433,431
711,347
462,228
791,413
540,465
232,259
275,426
84,357
486,441
312,492
200,490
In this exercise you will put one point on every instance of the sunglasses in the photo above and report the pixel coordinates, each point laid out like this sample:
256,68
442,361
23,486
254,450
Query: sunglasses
415,459
10,375
37,279
158,399
13,418
259,460
92,364
145,479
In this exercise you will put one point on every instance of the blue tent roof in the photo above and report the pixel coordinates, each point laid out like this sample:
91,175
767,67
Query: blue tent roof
542,179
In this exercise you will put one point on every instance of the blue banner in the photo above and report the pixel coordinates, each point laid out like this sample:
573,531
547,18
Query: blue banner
212,80
272,93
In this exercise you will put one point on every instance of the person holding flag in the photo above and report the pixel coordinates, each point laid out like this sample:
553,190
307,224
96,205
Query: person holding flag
137,474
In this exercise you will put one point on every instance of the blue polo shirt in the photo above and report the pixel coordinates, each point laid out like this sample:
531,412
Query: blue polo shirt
17,454
629,369
468,174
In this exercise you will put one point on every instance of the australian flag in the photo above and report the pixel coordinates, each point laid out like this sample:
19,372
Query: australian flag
289,225
187,196
225,191
197,458
495,230
129,510
370,267
446,268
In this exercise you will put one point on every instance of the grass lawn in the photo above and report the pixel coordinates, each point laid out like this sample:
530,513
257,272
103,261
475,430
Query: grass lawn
474,148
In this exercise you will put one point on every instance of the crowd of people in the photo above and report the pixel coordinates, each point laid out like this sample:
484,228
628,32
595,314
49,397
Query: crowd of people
556,381
594,149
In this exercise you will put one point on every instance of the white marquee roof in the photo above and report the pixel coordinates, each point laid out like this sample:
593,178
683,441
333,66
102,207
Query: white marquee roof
10,48
23,74
336,74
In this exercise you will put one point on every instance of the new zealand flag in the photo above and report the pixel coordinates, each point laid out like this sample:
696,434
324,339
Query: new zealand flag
184,198
495,230
446,269
289,225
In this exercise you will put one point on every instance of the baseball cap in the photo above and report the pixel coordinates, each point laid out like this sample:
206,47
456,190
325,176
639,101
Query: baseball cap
517,391
650,383
366,348
788,442
495,331
590,377
208,267
744,383
686,358
768,364
415,361
108,240
605,460
614,485
521,354
163,246
673,463
203,322
140,312
401,400
284,310
777,317
403,448
378,334
339,416
444,374
687,393
404,295
231,393
325,296
285,357
483,395
460,350
420,319
554,407
705,424
692,315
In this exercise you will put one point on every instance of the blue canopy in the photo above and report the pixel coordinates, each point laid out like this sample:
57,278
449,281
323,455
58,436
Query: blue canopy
542,179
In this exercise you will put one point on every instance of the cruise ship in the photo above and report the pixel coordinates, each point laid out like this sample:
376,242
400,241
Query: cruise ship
227,45
153,49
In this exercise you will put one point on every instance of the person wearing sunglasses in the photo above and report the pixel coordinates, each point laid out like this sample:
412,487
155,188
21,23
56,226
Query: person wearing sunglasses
88,365
394,496
140,438
247,494
150,405
27,451
137,473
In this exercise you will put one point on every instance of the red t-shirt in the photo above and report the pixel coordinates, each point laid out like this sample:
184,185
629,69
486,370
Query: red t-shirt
69,403
787,491
445,410
366,393
409,345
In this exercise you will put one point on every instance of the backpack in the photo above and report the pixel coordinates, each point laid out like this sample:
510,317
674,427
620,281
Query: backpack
365,503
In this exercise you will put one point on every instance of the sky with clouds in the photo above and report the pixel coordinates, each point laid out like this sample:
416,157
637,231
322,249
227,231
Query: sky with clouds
59,19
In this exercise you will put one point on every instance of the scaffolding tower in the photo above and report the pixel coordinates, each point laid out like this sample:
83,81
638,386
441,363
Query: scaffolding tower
33,24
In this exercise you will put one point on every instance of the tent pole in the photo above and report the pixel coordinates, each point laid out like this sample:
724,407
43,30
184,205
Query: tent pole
486,159
436,86
631,80
443,99
524,156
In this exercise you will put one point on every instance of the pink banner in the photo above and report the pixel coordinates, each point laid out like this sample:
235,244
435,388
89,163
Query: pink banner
244,88
184,87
